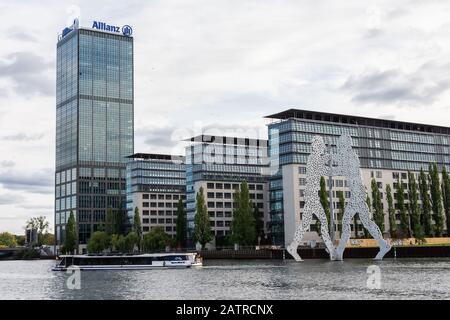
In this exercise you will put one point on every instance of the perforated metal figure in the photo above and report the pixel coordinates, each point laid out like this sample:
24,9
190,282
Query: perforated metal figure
348,165
316,167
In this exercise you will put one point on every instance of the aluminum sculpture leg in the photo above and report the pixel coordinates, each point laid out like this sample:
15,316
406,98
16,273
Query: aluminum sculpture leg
346,230
324,231
301,229
373,230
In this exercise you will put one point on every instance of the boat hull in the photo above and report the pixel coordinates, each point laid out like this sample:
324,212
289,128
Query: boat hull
145,267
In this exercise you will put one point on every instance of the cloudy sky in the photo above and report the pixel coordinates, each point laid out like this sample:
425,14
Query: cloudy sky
219,66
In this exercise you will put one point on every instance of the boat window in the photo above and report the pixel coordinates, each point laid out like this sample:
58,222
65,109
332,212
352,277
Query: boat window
62,263
175,258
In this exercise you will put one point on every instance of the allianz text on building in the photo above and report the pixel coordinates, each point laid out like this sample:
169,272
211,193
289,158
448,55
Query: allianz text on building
387,150
94,124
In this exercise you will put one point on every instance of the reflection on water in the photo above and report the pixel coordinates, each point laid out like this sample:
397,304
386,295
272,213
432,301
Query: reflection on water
234,279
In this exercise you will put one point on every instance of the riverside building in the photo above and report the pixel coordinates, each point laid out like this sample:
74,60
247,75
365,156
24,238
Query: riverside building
155,184
387,150
94,125
219,164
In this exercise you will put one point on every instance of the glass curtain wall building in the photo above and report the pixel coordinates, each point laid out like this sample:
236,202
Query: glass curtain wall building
387,150
155,184
94,127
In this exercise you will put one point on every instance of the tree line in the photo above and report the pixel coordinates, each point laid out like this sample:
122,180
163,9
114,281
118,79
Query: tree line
423,216
116,236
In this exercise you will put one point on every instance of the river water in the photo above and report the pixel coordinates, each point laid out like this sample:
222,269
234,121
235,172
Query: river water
235,279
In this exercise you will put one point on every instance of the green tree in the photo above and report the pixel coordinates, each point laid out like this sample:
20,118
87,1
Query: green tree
391,212
109,224
446,196
404,224
20,240
202,226
155,240
137,227
259,223
132,240
48,239
436,200
70,241
98,242
181,224
243,224
341,201
118,223
426,204
377,205
40,224
367,234
118,243
120,217
414,208
7,240
323,195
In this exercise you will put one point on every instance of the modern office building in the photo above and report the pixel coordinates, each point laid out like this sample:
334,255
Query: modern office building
94,125
387,150
219,164
155,184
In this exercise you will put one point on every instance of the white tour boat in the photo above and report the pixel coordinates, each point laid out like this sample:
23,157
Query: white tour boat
129,262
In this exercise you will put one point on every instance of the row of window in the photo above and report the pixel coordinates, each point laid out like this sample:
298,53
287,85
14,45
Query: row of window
220,223
233,186
87,173
158,181
160,221
323,128
150,165
219,149
229,195
167,228
66,176
220,214
219,205
66,189
159,204
101,187
158,173
163,196
159,213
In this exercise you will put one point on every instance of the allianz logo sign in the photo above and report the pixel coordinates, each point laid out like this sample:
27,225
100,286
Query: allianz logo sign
126,29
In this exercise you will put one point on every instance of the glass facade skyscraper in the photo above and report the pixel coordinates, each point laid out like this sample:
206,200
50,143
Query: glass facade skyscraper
94,127
387,150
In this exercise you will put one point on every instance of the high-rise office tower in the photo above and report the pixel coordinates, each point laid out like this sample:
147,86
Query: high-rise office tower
387,150
94,125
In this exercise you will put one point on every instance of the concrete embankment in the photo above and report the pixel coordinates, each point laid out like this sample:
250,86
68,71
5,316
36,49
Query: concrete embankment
320,253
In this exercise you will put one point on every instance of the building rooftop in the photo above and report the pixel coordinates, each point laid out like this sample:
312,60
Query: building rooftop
228,140
156,156
357,120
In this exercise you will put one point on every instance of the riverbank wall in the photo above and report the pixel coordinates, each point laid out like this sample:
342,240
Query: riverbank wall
320,253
